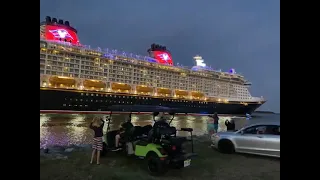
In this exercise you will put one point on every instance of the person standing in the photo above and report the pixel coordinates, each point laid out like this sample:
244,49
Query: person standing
248,116
216,122
213,124
231,126
97,146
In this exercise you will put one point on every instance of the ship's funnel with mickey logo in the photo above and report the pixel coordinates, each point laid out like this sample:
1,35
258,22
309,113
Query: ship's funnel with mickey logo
54,29
160,54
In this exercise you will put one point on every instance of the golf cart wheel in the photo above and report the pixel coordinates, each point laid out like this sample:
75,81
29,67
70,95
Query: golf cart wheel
226,146
155,166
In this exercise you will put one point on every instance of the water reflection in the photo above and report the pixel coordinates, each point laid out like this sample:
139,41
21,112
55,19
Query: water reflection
62,129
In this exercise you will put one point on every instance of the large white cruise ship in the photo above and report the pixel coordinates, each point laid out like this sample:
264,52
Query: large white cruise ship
75,77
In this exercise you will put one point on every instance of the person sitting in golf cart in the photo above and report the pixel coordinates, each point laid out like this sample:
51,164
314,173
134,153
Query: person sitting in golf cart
127,126
118,138
162,122
161,126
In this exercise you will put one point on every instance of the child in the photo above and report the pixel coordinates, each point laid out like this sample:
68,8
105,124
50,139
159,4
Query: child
97,126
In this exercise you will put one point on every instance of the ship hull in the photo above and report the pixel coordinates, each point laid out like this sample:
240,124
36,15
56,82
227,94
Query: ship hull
55,100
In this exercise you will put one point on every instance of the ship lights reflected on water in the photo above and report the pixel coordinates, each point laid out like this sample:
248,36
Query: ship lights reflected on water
69,129
77,129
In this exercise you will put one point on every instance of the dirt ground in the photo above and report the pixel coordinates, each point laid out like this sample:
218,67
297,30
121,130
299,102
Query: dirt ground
209,164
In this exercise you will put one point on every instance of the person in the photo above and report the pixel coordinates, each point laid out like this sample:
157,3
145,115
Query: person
248,117
118,137
215,125
216,122
230,125
97,126
210,126
162,122
127,127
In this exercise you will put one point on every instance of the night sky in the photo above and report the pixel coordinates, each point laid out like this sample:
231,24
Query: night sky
240,34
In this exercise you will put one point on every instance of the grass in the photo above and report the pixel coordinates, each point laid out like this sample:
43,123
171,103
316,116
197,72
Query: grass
210,164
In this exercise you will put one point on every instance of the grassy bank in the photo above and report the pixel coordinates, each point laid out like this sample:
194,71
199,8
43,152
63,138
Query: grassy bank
210,164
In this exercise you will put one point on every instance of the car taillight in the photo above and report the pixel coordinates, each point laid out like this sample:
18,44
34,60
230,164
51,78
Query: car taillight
173,148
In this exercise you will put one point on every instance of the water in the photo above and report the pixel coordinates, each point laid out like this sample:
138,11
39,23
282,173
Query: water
63,129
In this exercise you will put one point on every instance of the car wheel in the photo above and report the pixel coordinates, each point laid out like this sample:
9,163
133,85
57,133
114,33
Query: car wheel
226,146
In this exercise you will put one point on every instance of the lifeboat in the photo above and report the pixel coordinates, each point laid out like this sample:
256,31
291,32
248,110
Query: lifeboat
61,81
121,87
197,94
212,99
93,84
181,93
144,89
164,91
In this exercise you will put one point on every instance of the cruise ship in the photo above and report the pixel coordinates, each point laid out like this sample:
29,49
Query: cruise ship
76,78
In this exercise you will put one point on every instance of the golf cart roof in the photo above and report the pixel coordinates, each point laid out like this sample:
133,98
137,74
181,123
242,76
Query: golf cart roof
140,108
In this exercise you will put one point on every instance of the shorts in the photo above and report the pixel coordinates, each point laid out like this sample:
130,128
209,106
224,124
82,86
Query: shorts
97,143
210,127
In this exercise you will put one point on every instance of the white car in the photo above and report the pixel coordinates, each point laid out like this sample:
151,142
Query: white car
260,139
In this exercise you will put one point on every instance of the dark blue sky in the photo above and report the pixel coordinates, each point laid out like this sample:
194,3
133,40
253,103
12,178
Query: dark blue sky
240,34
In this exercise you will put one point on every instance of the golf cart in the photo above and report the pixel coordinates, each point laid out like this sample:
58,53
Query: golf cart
158,145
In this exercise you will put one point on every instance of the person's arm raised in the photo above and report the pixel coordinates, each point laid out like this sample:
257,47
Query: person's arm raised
102,122
90,126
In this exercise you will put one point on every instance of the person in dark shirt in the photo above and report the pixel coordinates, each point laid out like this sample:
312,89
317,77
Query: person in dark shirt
230,125
215,118
161,123
127,127
97,126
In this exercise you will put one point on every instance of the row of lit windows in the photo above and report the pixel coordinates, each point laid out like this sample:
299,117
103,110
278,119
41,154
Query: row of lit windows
115,102
123,64
132,97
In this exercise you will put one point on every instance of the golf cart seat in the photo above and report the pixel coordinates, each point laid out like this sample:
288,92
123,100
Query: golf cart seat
137,132
165,131
161,133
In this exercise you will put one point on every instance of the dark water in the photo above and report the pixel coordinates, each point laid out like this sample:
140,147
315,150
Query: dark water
62,129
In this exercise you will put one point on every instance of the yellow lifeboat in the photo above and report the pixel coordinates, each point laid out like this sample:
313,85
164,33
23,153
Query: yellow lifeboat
94,84
144,89
121,87
212,99
181,93
62,81
197,94
164,91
